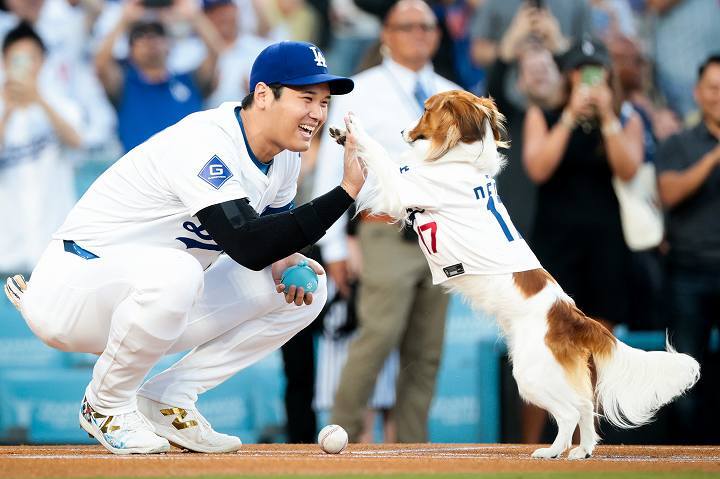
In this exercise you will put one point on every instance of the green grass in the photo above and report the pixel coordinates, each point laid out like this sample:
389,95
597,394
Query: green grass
495,475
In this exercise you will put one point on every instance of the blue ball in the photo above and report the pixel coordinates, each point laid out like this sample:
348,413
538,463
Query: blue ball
300,276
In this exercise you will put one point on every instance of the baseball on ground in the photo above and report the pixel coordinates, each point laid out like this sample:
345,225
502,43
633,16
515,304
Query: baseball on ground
333,439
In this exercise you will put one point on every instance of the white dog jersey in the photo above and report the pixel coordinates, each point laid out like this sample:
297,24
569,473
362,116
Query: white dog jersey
151,195
462,226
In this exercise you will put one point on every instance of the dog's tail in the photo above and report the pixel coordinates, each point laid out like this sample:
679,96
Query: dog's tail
633,384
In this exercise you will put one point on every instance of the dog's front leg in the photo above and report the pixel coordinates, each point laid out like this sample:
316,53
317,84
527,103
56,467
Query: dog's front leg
380,195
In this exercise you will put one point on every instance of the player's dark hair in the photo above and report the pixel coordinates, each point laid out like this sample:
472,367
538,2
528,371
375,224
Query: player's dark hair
713,59
249,98
22,31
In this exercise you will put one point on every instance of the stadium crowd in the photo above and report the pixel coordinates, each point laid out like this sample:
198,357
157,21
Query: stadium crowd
613,177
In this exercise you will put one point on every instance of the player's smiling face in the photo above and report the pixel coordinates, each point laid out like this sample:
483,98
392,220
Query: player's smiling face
298,115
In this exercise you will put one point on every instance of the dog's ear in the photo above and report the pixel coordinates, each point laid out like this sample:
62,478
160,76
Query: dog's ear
448,127
443,140
496,120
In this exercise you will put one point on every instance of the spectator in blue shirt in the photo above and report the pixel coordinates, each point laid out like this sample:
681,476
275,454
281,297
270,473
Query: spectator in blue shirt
147,95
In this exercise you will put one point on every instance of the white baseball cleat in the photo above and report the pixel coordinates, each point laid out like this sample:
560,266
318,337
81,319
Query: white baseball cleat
186,428
15,287
128,433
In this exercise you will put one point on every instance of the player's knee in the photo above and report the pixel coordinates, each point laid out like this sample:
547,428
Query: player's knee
53,334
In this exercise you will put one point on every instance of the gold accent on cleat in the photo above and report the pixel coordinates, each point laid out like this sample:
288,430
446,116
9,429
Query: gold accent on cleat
180,414
106,427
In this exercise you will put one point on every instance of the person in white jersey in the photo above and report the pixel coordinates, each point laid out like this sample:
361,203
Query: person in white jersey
137,270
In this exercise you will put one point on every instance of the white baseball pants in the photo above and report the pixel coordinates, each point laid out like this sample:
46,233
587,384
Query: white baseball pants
134,304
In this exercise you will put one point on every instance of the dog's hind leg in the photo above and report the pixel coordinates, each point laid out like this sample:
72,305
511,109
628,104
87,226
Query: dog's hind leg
551,392
567,418
588,438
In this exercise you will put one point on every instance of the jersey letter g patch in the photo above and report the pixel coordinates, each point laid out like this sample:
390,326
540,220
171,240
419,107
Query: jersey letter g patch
215,172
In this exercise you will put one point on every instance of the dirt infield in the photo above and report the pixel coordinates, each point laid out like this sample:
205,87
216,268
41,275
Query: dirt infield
88,461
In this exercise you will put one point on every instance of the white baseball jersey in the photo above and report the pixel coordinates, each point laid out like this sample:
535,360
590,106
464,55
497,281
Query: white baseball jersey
150,196
462,226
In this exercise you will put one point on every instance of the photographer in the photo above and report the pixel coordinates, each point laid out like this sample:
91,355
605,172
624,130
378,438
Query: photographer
147,95
572,153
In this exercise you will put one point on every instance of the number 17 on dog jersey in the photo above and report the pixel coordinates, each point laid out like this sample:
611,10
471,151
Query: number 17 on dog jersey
476,234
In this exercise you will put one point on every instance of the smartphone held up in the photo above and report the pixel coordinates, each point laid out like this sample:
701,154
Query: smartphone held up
591,75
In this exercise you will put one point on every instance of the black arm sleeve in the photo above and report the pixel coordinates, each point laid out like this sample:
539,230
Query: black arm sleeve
258,241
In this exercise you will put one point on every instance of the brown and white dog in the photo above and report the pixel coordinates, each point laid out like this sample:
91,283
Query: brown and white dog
551,342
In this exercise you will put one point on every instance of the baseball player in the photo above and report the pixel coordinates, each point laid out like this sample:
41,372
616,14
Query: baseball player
137,270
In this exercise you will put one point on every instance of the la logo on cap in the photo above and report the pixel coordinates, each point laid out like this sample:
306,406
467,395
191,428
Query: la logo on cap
319,57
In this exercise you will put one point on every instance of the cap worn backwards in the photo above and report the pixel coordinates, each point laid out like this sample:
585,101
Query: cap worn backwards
295,64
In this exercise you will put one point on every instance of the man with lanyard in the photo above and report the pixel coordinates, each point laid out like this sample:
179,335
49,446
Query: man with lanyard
398,308
136,271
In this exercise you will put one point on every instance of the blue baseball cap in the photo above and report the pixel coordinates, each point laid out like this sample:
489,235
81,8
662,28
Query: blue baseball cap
295,64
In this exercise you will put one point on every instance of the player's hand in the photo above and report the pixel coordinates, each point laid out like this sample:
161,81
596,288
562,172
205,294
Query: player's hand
353,170
293,294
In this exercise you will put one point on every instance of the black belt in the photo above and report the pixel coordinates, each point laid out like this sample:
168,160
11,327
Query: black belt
72,247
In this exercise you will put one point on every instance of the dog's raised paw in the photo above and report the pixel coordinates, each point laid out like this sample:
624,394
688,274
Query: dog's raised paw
338,135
